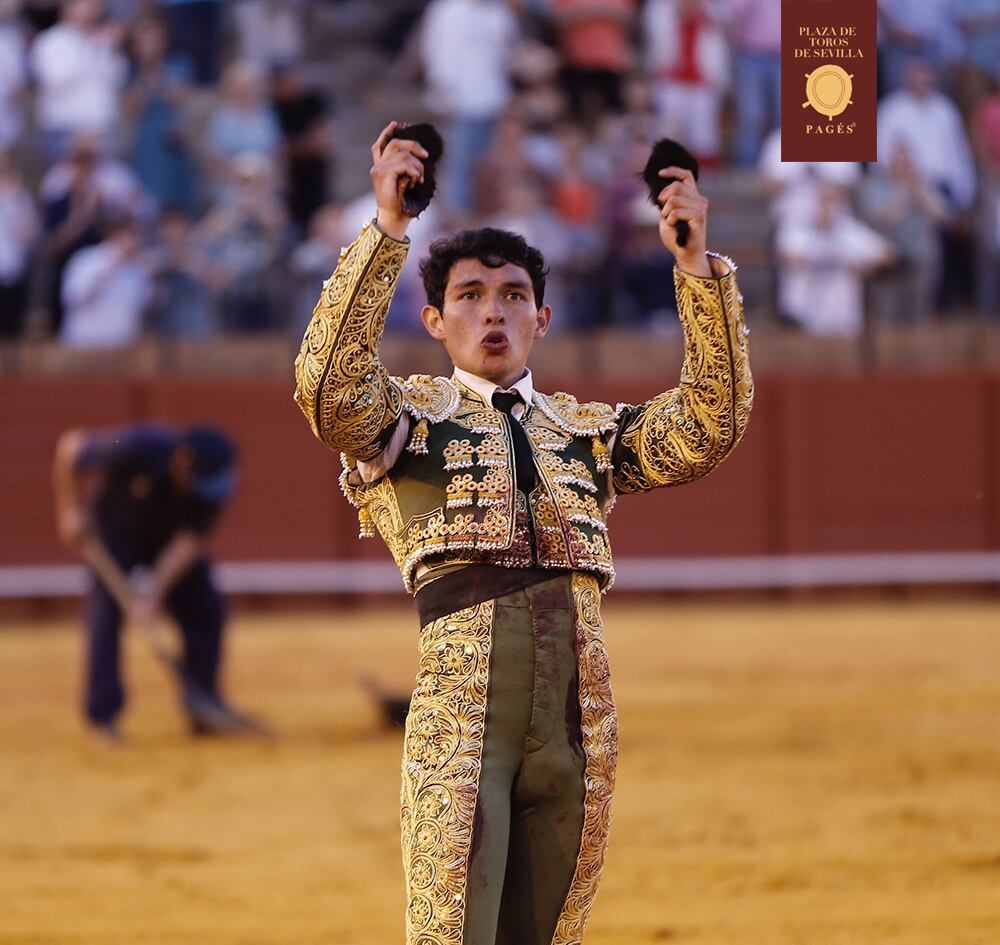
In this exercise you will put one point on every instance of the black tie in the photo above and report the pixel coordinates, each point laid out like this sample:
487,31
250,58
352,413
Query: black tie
524,463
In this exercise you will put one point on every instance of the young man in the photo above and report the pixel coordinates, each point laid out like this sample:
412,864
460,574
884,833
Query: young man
492,497
141,499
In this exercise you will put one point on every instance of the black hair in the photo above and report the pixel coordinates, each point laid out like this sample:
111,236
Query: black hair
493,248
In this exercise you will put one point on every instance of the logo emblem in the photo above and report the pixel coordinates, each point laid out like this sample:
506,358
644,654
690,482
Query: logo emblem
828,90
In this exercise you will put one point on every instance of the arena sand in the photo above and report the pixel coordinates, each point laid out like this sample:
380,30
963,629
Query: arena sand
804,773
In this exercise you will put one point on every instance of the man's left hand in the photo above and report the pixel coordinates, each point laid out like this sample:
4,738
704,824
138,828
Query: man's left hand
680,200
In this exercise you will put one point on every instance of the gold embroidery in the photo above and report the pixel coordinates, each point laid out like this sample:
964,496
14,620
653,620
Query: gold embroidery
341,386
458,454
430,398
684,433
567,413
442,763
599,727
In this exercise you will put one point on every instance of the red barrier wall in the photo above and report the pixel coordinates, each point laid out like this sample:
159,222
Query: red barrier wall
829,464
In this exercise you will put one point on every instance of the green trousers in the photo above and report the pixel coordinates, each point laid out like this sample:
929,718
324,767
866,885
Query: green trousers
508,769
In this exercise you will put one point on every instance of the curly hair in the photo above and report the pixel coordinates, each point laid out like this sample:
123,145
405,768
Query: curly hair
493,248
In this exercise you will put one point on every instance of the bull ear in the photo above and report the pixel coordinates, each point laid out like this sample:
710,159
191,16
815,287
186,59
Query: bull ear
417,197
666,153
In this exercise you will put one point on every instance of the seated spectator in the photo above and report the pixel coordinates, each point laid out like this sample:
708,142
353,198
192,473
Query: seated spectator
79,196
182,305
303,116
905,209
595,39
243,122
979,23
106,289
155,100
195,33
80,72
13,74
243,238
688,61
824,256
792,186
19,231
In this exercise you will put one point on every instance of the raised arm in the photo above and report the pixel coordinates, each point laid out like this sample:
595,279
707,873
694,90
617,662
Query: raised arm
684,433
341,386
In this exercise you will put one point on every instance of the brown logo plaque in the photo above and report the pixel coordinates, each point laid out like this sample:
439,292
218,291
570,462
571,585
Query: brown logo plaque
828,82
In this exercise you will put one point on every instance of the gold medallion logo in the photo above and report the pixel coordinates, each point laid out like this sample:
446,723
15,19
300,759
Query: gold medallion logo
828,90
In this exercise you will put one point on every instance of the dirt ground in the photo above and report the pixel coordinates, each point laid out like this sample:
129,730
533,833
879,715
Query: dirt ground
791,774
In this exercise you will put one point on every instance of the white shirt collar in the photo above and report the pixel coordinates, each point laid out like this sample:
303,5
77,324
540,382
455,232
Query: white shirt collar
486,388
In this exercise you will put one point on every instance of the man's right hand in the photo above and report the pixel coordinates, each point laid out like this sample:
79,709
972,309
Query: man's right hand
396,164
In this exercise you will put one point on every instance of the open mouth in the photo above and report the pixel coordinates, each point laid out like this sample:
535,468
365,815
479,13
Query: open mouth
495,342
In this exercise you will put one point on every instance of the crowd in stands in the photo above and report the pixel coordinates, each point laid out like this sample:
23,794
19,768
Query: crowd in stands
169,169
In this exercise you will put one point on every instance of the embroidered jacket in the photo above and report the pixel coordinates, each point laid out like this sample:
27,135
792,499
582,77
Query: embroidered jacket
450,497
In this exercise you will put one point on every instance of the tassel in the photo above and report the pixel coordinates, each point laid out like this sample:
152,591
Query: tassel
366,525
601,454
418,439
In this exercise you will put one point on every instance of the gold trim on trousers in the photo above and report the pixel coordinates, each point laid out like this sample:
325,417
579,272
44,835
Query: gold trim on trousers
508,770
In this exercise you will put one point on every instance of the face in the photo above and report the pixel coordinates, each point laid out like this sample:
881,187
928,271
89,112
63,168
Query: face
489,321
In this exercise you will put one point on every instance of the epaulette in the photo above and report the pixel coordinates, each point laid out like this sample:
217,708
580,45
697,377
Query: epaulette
567,413
430,398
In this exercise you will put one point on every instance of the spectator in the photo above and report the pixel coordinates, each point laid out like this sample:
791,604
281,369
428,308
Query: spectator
643,280
979,23
313,261
824,256
195,33
13,74
270,32
19,231
793,185
465,48
242,123
105,290
79,195
905,209
595,39
687,58
755,36
182,304
302,115
930,126
80,72
986,141
155,99
924,31
243,239
505,159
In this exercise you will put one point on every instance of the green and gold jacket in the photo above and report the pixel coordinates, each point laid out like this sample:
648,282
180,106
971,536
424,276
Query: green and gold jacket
450,498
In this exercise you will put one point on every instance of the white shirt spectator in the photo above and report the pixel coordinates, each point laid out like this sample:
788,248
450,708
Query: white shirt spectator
121,191
105,296
19,229
13,81
795,184
821,271
80,75
465,47
931,127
